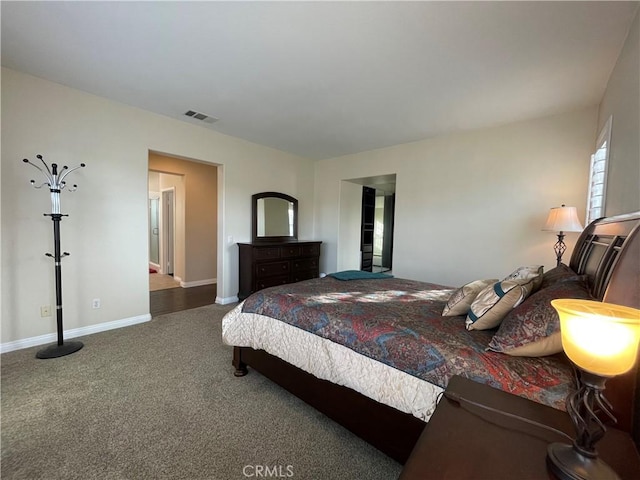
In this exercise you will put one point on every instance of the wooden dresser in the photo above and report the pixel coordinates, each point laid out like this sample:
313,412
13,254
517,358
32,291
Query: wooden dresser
265,265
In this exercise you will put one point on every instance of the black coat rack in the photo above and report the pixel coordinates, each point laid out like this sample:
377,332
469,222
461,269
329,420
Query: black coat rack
55,182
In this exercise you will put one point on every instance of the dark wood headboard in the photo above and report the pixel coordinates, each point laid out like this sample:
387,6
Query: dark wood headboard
608,253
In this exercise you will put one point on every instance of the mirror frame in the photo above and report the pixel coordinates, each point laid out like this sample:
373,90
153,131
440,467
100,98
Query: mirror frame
254,217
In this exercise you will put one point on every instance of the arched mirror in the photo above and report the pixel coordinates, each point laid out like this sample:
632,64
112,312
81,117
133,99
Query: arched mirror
275,217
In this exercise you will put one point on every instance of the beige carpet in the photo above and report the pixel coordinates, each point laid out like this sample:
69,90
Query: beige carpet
158,400
158,281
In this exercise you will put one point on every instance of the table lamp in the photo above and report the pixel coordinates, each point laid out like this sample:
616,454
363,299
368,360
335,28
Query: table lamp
601,339
562,219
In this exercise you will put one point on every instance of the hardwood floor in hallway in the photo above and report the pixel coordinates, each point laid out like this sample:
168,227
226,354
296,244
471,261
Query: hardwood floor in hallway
177,299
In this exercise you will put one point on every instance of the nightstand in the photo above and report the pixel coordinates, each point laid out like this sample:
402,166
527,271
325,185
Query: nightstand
462,441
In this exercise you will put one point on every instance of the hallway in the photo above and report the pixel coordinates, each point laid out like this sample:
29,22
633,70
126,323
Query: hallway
177,299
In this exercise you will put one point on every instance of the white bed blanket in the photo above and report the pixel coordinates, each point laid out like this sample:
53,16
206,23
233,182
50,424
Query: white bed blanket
330,361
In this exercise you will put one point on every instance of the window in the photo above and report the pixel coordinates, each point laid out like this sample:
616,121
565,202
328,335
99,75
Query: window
598,175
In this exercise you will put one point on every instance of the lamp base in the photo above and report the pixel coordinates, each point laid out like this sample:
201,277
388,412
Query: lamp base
568,464
55,351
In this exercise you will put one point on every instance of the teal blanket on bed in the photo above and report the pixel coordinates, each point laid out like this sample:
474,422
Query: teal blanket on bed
358,275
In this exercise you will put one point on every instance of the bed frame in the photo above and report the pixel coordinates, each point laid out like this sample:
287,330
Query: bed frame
607,252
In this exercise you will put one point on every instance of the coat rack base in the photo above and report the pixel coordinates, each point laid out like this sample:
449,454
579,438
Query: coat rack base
55,351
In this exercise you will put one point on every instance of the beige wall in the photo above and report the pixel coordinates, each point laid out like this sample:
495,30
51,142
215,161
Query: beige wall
469,205
196,217
106,232
622,101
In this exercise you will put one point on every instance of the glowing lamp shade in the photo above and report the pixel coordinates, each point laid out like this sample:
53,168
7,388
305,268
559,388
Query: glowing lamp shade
563,219
600,338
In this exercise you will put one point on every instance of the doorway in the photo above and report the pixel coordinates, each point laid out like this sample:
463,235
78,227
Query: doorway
188,223
162,239
365,239
376,240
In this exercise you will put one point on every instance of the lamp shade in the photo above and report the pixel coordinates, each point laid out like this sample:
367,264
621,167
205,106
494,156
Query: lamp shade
563,219
600,338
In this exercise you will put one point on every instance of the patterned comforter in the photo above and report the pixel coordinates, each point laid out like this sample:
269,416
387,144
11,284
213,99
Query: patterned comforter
398,322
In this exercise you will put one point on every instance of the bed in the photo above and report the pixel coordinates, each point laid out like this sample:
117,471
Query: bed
374,354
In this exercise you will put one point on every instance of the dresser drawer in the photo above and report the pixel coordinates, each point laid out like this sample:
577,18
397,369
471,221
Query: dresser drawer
290,251
304,275
304,264
266,253
313,249
272,281
270,269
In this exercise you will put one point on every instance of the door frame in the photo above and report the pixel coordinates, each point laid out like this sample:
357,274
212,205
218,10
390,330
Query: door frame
367,224
155,196
167,230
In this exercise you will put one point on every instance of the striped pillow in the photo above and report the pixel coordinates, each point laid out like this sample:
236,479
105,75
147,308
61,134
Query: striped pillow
494,302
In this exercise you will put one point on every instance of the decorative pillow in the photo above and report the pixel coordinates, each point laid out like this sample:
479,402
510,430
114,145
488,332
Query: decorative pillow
358,275
526,272
557,274
460,301
533,328
495,301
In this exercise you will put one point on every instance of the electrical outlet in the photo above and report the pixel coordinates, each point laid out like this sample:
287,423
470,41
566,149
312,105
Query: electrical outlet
95,303
45,311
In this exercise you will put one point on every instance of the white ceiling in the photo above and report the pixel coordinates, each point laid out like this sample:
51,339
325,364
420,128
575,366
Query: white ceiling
324,79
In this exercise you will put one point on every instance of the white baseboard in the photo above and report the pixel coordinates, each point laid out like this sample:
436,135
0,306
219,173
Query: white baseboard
226,300
75,332
198,283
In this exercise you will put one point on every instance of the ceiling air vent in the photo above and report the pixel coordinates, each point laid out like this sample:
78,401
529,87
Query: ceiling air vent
200,116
